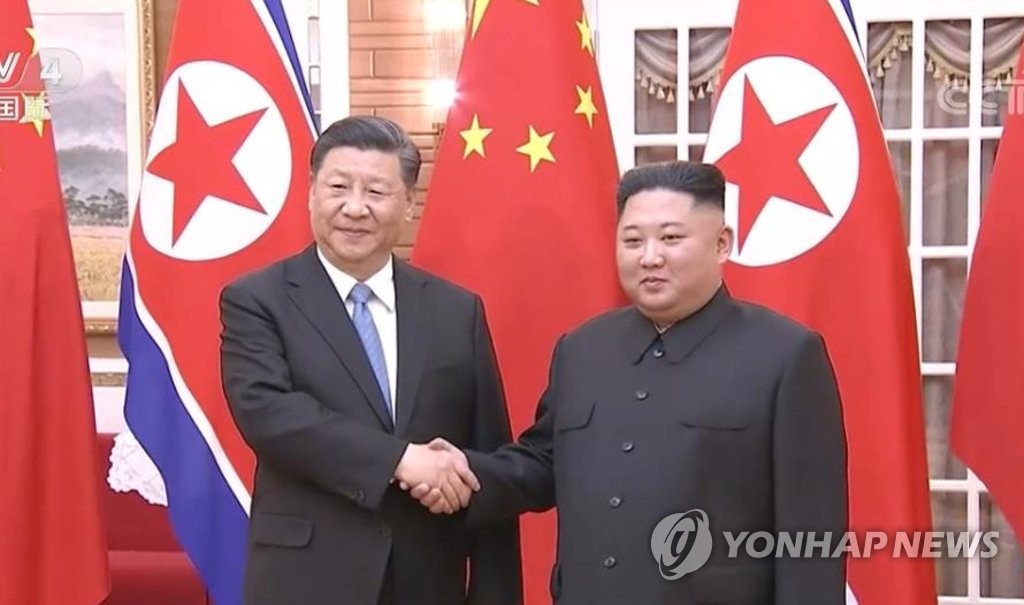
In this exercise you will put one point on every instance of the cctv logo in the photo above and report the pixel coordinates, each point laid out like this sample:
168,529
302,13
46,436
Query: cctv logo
8,66
681,543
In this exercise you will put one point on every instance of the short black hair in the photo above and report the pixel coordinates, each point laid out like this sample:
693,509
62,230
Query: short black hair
369,132
705,182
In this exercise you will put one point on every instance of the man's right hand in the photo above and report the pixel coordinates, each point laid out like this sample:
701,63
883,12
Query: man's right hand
440,468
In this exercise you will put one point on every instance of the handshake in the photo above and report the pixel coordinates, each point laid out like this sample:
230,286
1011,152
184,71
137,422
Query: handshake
438,475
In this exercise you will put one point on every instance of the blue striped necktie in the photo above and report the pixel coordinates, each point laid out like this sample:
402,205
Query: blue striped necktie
367,330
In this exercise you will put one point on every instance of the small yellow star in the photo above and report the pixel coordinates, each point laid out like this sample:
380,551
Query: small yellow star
479,8
586,36
533,2
474,137
35,41
537,148
35,112
586,106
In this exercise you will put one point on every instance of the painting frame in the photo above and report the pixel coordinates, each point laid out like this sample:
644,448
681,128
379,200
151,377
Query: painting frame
140,89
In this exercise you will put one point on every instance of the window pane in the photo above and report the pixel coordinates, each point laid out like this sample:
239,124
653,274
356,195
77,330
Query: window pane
947,52
989,148
938,391
890,63
899,153
945,193
647,155
1002,45
942,292
949,513
314,87
657,72
707,49
1003,574
697,152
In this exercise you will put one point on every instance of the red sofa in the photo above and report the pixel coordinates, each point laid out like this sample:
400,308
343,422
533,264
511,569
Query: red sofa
147,565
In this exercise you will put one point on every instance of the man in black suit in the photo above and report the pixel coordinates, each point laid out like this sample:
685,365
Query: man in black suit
689,399
338,364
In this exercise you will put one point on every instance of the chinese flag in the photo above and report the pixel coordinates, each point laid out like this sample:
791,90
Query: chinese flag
521,206
816,210
988,391
52,544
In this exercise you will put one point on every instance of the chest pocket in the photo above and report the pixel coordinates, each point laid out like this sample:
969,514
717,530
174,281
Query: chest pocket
716,416
574,416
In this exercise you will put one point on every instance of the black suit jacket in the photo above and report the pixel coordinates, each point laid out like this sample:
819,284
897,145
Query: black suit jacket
734,411
327,524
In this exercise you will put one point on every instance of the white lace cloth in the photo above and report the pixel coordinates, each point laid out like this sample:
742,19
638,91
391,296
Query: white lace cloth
132,470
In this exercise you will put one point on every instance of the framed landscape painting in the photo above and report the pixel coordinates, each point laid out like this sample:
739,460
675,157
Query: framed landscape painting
102,106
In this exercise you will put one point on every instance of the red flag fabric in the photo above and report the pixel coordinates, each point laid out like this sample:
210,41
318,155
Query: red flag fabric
521,205
52,544
812,196
988,390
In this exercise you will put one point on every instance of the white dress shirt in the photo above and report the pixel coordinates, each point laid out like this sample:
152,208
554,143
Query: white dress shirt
382,308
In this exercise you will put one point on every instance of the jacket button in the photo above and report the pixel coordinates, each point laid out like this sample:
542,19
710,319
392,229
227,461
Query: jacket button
614,501
659,353
641,395
627,446
385,530
609,562
358,495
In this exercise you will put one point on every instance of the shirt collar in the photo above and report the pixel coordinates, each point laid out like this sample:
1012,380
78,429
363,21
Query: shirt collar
381,283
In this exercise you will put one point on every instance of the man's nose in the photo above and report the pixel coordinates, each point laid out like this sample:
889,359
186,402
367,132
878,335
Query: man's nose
652,256
354,204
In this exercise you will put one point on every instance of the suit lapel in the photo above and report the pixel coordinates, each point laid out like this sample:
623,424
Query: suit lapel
312,291
413,340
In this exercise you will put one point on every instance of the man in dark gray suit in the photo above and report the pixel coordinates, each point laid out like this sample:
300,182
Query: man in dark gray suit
689,399
338,364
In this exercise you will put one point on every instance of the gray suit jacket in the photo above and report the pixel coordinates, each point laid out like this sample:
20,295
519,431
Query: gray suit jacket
734,411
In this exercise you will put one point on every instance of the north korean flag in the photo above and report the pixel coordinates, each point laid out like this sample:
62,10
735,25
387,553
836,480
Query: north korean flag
224,192
812,197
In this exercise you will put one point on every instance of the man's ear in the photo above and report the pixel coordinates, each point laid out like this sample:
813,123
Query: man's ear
723,246
409,207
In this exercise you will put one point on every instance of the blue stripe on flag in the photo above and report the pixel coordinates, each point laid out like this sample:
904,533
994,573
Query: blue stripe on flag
207,517
849,15
276,10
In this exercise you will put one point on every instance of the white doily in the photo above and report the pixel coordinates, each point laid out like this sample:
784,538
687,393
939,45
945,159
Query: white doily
132,470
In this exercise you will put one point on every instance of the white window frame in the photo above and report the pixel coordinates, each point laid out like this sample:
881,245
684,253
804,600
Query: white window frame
614,23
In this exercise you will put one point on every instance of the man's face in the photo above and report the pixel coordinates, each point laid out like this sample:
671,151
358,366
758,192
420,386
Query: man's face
357,202
670,253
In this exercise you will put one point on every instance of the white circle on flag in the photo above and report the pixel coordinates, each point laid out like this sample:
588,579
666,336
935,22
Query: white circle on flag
221,92
789,88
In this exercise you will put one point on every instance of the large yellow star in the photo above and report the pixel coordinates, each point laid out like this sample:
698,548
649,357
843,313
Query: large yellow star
586,106
538,148
479,8
35,41
586,36
35,111
474,137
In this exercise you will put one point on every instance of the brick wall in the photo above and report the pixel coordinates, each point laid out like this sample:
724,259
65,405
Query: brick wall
391,65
